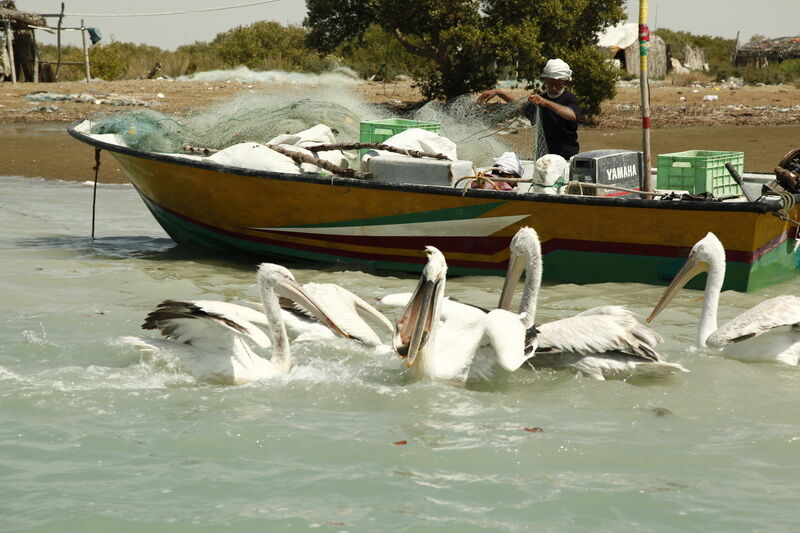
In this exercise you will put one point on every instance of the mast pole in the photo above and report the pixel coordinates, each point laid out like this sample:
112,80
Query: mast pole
644,39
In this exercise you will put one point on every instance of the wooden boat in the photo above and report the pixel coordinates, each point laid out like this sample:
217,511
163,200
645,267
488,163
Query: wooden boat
385,226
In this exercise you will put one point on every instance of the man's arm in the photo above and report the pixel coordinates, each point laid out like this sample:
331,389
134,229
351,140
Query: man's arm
491,93
567,113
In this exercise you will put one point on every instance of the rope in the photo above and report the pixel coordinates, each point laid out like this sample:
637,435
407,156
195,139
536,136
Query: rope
581,185
788,206
96,169
482,177
783,212
170,12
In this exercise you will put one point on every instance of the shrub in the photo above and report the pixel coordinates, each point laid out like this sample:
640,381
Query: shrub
268,45
377,54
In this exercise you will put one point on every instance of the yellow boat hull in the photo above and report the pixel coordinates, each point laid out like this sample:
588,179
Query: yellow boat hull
384,226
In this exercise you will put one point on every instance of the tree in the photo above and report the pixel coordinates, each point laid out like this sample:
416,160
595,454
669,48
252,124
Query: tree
267,45
465,42
378,56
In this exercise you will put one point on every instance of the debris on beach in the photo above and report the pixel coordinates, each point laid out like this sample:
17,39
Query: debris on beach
84,98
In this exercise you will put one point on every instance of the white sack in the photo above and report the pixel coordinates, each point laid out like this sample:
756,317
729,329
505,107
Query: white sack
421,140
547,170
319,134
255,156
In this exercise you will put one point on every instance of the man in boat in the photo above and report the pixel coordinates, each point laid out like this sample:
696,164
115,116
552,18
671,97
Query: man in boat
558,106
506,166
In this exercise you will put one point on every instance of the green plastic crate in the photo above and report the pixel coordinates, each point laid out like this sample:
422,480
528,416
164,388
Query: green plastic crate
699,171
376,131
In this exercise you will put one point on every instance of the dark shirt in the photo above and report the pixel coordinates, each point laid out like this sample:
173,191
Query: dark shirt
561,134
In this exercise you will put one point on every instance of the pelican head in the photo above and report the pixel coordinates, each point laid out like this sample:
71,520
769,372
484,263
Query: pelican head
708,252
524,248
280,280
418,320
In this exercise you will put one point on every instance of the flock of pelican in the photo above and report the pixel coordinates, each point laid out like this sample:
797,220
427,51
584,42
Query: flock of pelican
439,338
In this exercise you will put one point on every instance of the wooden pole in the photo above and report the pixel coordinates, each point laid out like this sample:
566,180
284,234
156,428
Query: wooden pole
85,53
35,57
374,146
10,45
301,158
644,39
58,41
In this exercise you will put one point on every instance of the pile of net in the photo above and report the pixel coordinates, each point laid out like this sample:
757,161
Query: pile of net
250,118
480,132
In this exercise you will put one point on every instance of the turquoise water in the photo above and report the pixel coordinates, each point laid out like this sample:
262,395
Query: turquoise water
93,439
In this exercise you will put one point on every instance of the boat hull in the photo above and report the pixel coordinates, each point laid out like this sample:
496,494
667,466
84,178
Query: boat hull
381,226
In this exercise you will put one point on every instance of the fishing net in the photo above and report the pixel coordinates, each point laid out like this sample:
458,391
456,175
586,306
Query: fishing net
251,117
143,129
481,132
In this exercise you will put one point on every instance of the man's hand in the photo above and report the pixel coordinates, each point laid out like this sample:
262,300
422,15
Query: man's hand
560,110
491,93
537,99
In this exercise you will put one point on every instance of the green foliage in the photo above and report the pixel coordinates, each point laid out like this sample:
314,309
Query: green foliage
719,51
594,78
260,46
337,21
776,73
191,58
114,61
267,45
378,54
71,54
463,43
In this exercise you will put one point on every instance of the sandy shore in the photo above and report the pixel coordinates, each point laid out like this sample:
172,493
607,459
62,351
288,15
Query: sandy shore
762,122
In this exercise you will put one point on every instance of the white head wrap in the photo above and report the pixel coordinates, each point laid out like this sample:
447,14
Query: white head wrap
557,70
509,163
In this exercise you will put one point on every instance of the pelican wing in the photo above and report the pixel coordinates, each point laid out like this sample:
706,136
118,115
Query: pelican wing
612,329
773,313
206,325
466,315
617,310
508,338
344,307
398,299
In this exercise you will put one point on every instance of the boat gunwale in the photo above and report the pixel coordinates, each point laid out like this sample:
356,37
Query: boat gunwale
698,205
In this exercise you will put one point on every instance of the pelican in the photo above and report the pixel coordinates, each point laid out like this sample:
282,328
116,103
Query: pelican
604,342
708,255
456,342
213,339
345,306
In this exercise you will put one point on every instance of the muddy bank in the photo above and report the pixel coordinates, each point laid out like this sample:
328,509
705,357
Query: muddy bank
671,106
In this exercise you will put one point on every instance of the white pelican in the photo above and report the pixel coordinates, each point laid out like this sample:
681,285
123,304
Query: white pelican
345,307
603,342
452,341
708,255
213,339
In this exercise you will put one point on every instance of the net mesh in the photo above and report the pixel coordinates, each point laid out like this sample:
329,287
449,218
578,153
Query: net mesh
481,132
